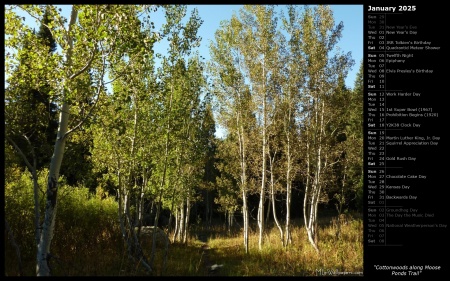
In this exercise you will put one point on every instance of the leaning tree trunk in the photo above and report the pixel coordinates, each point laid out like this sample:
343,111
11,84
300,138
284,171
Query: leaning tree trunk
272,195
312,195
32,169
48,225
309,215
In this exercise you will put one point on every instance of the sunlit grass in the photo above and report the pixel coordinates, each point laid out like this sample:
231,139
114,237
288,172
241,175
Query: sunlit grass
338,254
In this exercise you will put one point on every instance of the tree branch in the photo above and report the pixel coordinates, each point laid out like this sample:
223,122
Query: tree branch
123,73
86,66
17,148
100,87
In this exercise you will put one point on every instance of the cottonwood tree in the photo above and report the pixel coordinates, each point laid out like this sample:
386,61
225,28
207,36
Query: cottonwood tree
209,143
235,104
318,39
179,81
227,182
349,169
190,144
30,114
290,106
291,82
126,133
86,42
260,50
356,169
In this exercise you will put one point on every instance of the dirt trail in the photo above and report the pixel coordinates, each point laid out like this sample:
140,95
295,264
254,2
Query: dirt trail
207,259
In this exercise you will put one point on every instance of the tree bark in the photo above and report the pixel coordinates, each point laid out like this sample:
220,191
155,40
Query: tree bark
272,195
242,154
263,168
43,255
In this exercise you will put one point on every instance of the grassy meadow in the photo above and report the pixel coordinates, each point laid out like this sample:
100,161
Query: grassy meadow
88,242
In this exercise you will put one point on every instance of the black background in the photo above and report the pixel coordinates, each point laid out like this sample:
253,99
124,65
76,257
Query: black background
415,246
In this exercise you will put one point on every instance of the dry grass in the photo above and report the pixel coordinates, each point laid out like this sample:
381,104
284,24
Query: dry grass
338,254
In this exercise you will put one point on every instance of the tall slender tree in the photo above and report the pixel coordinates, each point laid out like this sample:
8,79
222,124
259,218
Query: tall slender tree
30,114
181,80
234,102
260,51
324,71
86,42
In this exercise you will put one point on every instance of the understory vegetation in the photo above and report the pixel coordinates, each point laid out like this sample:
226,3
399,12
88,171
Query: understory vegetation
89,242
105,132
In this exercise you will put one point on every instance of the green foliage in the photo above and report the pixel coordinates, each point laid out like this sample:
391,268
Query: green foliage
77,167
86,226
154,134
19,211
29,107
45,30
87,241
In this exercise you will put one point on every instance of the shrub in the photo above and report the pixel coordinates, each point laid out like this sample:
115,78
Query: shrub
86,230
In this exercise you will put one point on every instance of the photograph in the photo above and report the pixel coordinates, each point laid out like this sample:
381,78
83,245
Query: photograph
230,140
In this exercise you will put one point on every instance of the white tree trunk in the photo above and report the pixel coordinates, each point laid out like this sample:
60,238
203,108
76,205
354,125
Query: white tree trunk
288,179
263,169
176,230
287,229
182,221
242,154
48,225
186,223
312,193
32,169
272,194
43,253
